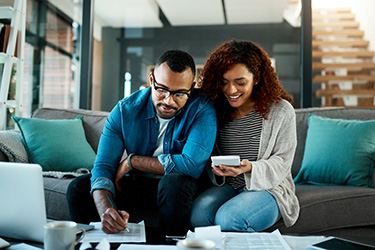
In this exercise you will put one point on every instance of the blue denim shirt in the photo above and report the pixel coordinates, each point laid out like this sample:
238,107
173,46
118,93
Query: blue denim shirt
133,125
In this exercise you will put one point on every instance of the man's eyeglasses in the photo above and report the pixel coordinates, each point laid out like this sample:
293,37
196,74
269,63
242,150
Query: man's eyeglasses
178,96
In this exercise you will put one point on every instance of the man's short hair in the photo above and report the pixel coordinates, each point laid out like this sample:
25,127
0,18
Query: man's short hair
177,60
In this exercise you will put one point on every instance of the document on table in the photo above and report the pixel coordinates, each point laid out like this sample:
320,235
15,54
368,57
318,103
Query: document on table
22,246
269,241
241,241
146,247
136,234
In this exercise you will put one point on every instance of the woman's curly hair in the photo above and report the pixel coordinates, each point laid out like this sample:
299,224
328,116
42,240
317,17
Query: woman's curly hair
267,91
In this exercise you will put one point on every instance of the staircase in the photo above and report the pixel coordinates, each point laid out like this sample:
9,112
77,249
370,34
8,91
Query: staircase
342,62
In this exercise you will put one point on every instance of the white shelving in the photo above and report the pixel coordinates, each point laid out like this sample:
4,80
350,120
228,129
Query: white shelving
17,16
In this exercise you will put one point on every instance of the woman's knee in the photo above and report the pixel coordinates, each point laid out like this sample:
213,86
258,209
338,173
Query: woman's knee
206,205
201,214
248,215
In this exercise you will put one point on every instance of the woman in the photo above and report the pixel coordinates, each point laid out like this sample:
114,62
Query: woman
257,122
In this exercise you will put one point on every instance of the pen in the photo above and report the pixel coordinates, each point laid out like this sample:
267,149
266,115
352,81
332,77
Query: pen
114,206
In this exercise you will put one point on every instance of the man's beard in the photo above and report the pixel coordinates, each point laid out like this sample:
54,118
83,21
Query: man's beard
169,114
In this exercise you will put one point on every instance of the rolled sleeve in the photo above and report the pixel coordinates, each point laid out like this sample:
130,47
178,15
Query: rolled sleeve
104,184
167,162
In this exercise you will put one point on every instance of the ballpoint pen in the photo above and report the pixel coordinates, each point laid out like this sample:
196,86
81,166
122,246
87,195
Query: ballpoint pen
114,206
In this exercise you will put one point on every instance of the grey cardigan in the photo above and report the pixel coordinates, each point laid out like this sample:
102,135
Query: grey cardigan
272,170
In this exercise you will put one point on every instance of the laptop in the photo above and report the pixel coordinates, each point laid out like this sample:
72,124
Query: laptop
22,206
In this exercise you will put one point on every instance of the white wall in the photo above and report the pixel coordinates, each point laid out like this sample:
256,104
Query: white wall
364,11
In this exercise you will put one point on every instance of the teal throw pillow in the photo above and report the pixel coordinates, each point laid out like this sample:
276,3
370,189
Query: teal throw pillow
57,145
338,152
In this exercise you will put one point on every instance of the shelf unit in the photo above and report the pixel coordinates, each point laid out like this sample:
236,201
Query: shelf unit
17,16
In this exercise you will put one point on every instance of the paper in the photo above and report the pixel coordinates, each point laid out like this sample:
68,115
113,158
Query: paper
242,241
145,247
103,245
210,233
269,241
22,246
136,234
230,160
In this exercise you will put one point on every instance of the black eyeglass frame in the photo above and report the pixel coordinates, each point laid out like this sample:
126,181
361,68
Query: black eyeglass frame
171,93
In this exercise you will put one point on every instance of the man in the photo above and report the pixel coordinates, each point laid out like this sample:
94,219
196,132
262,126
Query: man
168,132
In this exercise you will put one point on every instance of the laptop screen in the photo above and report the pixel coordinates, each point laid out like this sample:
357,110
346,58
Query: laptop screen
22,206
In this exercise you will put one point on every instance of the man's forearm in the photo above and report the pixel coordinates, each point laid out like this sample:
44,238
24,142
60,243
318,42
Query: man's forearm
101,200
147,164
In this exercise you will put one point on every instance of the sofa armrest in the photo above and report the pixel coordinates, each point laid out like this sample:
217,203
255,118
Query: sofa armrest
12,147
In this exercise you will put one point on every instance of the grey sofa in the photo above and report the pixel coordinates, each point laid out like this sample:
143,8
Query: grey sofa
325,210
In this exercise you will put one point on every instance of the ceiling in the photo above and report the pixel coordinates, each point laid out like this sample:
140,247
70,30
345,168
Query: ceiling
145,13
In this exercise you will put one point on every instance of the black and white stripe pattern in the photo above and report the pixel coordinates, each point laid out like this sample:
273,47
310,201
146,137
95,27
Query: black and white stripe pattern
241,137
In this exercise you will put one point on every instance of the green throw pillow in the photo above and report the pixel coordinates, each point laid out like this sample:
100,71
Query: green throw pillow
338,152
57,145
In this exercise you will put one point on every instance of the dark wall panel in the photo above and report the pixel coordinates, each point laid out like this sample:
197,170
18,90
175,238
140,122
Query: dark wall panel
142,47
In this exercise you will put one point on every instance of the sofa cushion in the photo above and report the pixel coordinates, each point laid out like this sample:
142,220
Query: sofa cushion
331,112
93,121
58,145
338,152
55,197
325,208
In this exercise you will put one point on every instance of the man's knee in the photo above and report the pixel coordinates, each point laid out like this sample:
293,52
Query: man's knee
176,184
78,189
173,179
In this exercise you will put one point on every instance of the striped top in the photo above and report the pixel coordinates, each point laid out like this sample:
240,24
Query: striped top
241,137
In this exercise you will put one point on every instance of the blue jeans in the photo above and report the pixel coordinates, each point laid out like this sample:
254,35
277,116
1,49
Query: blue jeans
235,210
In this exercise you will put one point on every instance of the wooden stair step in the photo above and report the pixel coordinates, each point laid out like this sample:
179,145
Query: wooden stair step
354,86
343,105
346,92
340,24
345,54
348,43
334,78
347,33
363,65
340,16
332,10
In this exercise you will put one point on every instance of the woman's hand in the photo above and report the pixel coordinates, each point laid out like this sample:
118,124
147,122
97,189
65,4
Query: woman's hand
225,170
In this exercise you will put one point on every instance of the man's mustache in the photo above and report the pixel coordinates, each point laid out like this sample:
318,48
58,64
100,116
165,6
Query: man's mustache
166,106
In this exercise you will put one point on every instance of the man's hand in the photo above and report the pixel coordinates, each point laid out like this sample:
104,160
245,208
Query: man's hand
225,170
122,170
112,222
